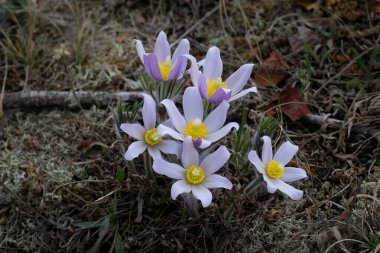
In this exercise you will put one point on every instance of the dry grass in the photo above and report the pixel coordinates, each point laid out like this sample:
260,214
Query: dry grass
58,167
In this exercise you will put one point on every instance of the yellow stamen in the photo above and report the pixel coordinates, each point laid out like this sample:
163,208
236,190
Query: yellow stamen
214,85
196,129
274,170
152,137
195,174
165,68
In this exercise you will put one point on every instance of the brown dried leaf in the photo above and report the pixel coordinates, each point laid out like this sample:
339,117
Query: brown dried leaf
272,71
290,103
293,104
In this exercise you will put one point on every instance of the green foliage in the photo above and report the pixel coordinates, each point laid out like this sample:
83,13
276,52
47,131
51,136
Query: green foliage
373,242
269,127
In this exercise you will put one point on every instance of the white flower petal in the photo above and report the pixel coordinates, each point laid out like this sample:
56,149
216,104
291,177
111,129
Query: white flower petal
289,190
266,154
255,160
170,147
203,194
149,112
162,48
154,152
216,160
292,174
215,136
171,170
135,149
179,187
165,130
205,144
213,66
189,155
140,50
285,153
216,119
134,130
175,116
217,181
242,94
194,69
182,49
192,104
270,186
238,79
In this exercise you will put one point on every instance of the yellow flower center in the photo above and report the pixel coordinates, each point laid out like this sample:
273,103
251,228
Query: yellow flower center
165,68
214,85
274,170
195,174
152,137
196,129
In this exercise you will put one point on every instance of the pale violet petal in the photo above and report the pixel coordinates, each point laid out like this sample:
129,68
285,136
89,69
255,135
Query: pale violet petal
202,86
175,116
179,187
205,144
178,69
140,50
255,160
162,48
203,194
292,174
242,94
163,130
189,155
289,190
216,160
285,153
135,149
194,69
217,181
134,130
154,152
192,104
182,49
170,147
151,66
216,119
238,79
213,66
219,134
171,170
270,186
149,112
266,154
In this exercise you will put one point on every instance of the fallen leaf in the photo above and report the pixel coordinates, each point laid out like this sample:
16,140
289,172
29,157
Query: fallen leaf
304,35
292,104
272,71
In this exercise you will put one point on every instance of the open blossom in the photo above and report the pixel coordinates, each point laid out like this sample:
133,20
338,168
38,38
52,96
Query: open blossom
202,131
210,83
159,64
195,176
148,136
273,168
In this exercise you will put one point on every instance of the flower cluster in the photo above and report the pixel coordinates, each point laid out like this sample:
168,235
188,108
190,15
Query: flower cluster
202,122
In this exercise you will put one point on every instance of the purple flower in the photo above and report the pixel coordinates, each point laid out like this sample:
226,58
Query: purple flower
148,136
210,83
159,64
195,176
273,168
203,131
